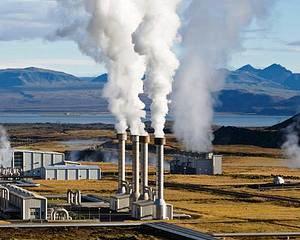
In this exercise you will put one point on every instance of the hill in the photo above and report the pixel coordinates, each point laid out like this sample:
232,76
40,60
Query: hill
272,137
273,90
36,78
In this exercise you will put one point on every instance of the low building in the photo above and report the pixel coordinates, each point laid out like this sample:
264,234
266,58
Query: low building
24,204
31,162
71,172
196,163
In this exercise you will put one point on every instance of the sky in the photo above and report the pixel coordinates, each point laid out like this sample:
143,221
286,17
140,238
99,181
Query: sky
26,27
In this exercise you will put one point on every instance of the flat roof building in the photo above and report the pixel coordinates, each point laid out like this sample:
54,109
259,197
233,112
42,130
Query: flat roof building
71,172
24,204
31,162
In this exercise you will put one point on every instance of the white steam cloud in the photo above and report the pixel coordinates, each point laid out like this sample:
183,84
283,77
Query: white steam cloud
5,149
211,33
291,147
108,26
134,37
154,39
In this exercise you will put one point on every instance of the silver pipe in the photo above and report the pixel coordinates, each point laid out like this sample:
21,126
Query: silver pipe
145,161
160,202
135,168
122,137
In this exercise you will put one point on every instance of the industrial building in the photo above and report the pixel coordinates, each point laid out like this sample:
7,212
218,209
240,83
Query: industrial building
195,163
23,204
51,165
31,162
71,172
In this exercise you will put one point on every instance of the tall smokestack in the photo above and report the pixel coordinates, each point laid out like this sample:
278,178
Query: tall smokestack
135,168
160,202
122,137
144,151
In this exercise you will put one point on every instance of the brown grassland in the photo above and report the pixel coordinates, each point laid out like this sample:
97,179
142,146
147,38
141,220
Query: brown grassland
215,203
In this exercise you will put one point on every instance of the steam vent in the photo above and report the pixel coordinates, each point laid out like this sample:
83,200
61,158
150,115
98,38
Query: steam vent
136,196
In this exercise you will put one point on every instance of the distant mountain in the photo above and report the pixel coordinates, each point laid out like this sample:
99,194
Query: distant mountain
275,73
272,90
273,76
293,82
36,78
102,78
248,68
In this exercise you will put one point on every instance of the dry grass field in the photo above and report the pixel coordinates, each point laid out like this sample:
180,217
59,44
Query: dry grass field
222,203
211,210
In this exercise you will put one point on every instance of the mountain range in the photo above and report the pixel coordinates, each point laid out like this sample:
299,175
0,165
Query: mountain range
272,90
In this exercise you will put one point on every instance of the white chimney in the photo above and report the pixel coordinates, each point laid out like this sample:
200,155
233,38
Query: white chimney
135,168
122,137
160,202
144,166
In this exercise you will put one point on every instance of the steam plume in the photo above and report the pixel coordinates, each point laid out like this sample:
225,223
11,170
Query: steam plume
110,26
5,149
154,39
211,33
291,146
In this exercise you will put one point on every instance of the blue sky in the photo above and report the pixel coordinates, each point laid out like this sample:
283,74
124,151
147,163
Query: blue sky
23,23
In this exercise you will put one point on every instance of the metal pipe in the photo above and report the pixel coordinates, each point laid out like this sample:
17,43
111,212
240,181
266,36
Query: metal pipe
122,137
135,168
144,166
160,202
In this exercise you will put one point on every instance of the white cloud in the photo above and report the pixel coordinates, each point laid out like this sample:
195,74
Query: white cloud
26,19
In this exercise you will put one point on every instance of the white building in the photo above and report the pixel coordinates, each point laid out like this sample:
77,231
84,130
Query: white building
194,163
52,165
24,204
31,162
71,172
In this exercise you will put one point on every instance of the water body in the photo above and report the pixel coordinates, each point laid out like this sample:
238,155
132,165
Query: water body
239,120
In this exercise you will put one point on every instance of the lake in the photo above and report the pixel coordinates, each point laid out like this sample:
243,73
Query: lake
239,120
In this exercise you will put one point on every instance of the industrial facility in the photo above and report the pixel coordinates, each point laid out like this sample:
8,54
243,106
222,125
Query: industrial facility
22,204
134,197
138,197
195,163
50,165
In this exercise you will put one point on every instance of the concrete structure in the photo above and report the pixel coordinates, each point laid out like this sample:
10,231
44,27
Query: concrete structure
121,162
144,167
142,202
121,201
71,172
160,204
194,163
31,162
135,169
25,204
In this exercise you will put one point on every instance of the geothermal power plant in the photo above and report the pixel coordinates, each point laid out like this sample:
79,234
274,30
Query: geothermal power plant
136,196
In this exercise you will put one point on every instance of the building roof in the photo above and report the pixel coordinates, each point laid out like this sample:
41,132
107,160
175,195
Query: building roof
36,151
21,192
71,167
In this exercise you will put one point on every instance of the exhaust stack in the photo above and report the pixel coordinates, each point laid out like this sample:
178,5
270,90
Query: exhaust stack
122,137
160,202
135,168
144,151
